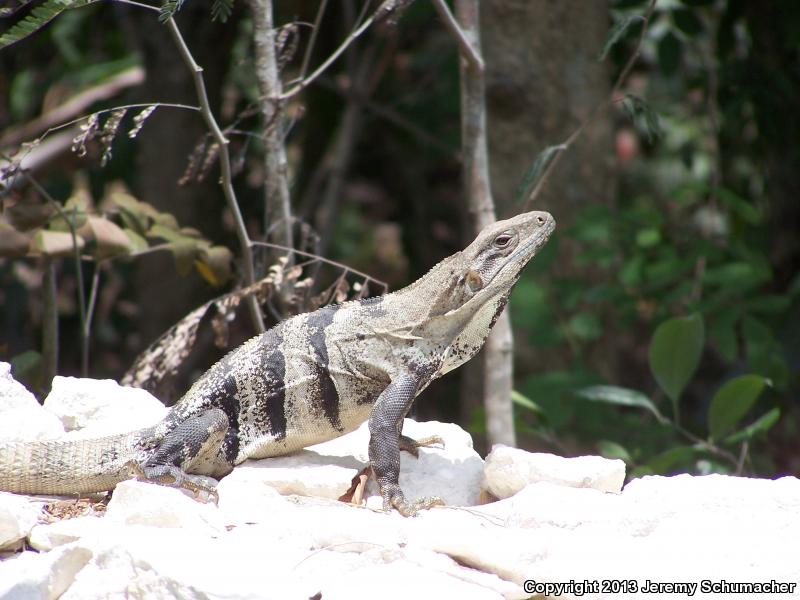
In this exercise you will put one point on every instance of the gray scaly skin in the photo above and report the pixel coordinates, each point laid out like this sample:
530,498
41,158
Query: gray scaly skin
309,379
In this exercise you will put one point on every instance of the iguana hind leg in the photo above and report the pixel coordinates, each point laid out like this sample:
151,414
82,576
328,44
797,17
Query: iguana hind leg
194,445
385,443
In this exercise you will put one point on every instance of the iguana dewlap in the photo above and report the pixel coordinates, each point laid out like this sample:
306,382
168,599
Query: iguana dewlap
310,378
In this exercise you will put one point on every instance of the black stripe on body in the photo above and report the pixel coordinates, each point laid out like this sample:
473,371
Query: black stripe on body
328,397
230,405
274,372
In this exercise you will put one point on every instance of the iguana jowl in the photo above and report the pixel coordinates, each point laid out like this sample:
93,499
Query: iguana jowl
311,378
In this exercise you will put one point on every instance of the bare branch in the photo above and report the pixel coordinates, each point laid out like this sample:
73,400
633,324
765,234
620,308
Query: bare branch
277,214
225,167
328,261
74,106
357,31
313,39
464,45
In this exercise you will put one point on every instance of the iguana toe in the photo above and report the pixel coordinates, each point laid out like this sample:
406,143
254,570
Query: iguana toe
412,446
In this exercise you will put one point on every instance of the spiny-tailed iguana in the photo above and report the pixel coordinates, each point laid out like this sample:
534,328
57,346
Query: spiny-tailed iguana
310,378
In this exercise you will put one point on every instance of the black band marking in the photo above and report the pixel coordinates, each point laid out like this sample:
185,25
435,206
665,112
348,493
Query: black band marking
328,400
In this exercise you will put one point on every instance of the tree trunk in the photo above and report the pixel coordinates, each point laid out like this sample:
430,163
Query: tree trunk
497,354
542,79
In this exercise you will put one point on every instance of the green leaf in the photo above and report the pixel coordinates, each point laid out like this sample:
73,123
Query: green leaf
184,251
535,171
731,403
585,326
644,117
609,449
743,208
616,32
525,402
109,238
55,243
620,396
758,427
669,53
169,9
38,18
675,353
648,237
723,334
214,264
221,10
687,21
673,459
137,242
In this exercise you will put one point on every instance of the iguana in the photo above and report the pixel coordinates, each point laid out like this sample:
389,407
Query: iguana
311,378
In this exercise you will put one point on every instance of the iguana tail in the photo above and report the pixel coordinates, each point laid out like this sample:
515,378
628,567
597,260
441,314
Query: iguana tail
69,466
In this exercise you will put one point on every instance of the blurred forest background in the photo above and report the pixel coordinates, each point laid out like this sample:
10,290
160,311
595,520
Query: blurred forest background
661,325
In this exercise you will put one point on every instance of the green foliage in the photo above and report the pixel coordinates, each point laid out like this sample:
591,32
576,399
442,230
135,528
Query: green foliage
38,18
220,10
124,227
619,396
616,32
675,352
732,402
690,235
536,170
643,116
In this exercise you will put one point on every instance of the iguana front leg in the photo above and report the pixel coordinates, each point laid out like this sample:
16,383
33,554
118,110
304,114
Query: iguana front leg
194,442
385,424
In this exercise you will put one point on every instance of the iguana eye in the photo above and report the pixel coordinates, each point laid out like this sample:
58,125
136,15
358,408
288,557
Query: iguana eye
502,240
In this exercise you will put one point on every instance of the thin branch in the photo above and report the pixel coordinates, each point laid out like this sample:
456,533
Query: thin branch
313,39
467,49
296,89
333,263
49,323
74,105
86,328
225,168
138,5
51,274
612,98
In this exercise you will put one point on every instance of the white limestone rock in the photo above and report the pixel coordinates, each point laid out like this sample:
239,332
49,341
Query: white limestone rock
46,536
22,418
93,408
508,470
33,576
17,518
307,473
140,503
327,470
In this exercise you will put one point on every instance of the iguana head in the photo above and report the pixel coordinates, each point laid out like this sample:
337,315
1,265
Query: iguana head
483,273
493,262
471,288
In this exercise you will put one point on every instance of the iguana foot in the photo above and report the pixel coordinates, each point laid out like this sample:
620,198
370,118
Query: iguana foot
201,487
412,446
393,497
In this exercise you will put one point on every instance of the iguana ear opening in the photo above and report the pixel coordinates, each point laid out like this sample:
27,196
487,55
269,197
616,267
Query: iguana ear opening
473,281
